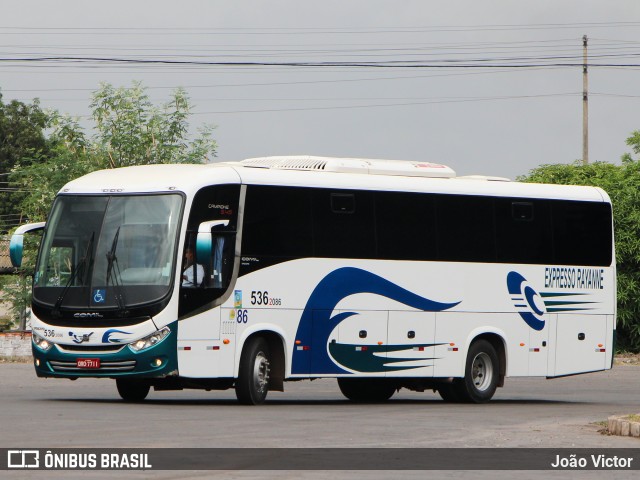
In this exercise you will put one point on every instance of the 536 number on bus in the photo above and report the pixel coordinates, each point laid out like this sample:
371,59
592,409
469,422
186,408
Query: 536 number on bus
259,297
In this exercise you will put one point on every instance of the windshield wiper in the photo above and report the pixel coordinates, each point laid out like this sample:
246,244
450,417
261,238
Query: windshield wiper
112,261
79,270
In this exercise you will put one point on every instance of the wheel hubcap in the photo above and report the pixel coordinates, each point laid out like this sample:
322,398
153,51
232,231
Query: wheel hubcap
261,372
482,371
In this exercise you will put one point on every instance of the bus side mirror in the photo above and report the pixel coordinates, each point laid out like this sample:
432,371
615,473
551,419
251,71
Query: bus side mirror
16,245
204,240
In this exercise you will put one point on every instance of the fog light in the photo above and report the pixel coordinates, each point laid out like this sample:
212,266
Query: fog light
157,362
37,362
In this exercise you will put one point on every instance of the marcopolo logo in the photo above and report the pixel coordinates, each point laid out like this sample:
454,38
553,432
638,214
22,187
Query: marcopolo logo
527,300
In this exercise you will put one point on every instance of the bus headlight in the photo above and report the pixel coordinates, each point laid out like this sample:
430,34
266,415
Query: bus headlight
150,340
40,342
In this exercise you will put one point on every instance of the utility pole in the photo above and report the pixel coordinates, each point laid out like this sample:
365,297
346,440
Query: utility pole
585,103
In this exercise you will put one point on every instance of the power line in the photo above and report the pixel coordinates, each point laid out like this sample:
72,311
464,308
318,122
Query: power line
472,63
614,95
301,82
564,42
140,31
399,55
430,102
262,49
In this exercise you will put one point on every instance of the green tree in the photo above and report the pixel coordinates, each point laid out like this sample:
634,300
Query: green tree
22,139
129,130
622,183
132,131
69,157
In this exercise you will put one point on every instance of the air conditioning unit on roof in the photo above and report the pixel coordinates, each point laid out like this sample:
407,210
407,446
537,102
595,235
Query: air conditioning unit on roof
403,168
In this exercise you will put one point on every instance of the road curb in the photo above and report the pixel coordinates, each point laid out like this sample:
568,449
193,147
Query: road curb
624,426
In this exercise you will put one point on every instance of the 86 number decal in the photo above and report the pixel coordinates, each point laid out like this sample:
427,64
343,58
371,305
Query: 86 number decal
242,316
259,297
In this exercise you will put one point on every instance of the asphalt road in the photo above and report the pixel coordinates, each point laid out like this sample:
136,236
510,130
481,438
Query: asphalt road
48,413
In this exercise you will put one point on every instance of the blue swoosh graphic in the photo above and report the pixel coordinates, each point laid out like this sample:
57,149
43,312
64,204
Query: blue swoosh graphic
106,338
514,285
316,322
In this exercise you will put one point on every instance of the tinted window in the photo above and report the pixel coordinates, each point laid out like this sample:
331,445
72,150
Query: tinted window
343,224
219,202
406,226
465,228
582,233
523,230
286,222
277,222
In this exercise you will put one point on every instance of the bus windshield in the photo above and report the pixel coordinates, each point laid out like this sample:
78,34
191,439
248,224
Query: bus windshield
108,252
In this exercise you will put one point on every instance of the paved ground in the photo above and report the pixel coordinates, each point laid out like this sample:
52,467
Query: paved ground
526,413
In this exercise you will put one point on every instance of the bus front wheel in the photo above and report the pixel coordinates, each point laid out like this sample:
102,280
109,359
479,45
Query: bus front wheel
481,373
252,384
132,391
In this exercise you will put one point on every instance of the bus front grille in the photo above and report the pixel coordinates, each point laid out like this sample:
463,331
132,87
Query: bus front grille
105,367
89,349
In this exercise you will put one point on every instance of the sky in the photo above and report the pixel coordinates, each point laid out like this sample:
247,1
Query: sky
489,87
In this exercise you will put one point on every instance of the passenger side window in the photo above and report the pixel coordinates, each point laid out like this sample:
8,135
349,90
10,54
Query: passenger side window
465,228
277,222
343,224
406,226
582,233
523,231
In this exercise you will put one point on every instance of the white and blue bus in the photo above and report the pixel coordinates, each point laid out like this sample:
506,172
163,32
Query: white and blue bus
381,274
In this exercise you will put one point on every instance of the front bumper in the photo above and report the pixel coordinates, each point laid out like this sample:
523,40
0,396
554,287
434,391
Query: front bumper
61,361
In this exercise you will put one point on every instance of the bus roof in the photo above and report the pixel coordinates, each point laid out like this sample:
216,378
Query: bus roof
319,172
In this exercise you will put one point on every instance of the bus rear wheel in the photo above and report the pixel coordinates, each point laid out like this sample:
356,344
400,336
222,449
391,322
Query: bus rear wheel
481,373
366,390
131,390
252,384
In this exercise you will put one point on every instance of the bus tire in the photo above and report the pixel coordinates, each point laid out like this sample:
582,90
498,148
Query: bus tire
252,384
132,390
481,373
366,390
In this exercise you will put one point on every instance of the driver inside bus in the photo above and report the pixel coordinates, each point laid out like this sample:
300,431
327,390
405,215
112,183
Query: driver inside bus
191,268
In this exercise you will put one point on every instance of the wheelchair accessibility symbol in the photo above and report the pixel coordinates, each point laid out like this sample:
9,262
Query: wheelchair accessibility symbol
99,296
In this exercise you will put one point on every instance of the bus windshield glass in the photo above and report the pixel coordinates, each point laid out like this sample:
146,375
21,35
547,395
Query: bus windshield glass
108,252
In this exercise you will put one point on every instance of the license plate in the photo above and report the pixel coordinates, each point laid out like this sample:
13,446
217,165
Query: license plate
88,363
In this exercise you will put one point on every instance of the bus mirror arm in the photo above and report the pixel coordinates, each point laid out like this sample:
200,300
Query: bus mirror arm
207,227
16,245
204,240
